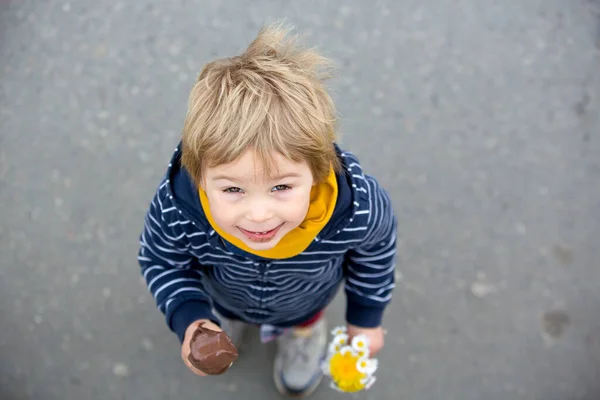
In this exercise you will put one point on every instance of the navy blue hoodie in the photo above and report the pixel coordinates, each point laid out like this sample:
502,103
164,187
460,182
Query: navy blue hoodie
191,271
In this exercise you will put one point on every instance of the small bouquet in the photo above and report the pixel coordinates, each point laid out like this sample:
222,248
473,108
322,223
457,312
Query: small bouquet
348,364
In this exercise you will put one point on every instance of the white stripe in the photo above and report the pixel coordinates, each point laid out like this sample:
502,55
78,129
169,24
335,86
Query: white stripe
196,234
238,292
159,226
302,290
178,223
155,235
360,228
386,288
374,258
305,297
370,206
341,241
174,281
281,262
288,270
226,257
166,210
233,276
162,232
157,277
152,268
201,246
323,252
383,299
389,244
372,275
372,266
168,261
257,311
172,251
236,267
186,289
262,289
369,285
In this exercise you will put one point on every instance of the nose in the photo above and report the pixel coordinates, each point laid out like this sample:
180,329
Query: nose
259,211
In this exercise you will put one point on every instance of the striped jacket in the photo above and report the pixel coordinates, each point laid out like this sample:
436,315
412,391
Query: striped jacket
192,272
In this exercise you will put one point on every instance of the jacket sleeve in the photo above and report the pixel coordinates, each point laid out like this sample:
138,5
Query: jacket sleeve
168,267
369,268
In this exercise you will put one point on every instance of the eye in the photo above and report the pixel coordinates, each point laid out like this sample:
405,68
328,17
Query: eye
280,188
232,190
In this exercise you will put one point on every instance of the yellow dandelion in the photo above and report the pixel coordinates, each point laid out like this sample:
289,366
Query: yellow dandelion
344,372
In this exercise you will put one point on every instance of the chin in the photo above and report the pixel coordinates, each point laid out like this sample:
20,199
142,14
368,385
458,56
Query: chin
261,246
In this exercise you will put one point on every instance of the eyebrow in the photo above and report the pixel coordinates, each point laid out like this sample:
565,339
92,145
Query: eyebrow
224,178
275,178
285,176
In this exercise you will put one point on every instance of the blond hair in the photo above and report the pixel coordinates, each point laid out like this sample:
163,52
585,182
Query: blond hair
270,99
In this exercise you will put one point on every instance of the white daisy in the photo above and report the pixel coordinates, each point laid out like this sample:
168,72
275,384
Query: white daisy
360,343
341,339
362,365
340,330
334,348
372,366
334,386
368,382
363,353
348,350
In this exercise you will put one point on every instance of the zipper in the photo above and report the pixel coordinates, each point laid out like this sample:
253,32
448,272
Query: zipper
263,267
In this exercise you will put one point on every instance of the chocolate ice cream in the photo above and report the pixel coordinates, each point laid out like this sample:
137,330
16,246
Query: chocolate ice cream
211,352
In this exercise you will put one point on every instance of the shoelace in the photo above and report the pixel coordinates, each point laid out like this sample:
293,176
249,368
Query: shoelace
296,348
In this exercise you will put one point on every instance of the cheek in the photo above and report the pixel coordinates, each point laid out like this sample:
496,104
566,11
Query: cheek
220,218
221,211
296,210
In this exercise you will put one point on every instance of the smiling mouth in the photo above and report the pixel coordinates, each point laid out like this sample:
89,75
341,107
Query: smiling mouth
260,237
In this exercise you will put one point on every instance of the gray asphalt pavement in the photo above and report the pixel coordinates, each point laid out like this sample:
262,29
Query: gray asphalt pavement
481,117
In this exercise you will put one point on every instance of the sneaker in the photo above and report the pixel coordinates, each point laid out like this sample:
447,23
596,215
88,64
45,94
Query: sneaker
235,329
300,352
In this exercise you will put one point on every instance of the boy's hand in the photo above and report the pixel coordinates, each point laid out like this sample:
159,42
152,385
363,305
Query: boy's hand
185,347
375,336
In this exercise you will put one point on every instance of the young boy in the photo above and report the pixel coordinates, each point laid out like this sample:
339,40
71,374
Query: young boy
260,216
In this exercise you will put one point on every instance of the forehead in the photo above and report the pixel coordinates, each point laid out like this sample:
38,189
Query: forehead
250,167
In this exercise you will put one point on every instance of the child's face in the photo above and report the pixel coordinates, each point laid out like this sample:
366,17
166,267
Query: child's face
246,204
